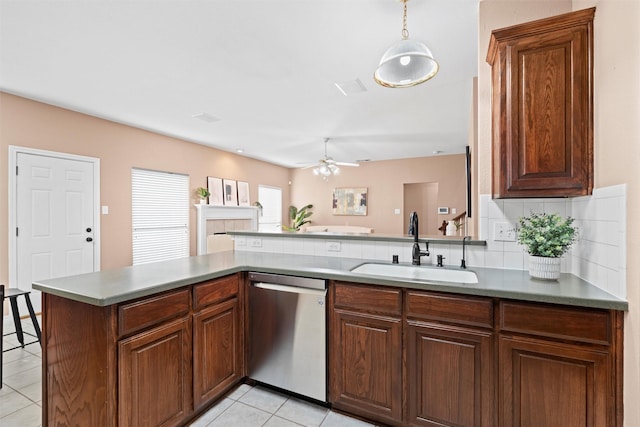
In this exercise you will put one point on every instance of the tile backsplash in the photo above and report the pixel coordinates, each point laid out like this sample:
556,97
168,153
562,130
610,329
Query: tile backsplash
599,255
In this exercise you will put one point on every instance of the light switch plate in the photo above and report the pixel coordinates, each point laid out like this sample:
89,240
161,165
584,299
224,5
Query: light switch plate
333,247
504,232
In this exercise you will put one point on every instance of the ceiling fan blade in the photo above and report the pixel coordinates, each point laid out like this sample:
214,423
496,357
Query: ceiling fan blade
347,164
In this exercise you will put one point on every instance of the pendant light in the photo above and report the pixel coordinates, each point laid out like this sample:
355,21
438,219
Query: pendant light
406,63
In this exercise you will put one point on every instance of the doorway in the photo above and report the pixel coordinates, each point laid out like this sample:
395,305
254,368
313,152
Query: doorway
422,197
54,209
270,218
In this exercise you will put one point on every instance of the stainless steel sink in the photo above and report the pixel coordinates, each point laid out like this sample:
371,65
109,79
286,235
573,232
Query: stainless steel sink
415,272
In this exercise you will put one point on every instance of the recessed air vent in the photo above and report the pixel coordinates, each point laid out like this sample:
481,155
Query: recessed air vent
206,117
351,87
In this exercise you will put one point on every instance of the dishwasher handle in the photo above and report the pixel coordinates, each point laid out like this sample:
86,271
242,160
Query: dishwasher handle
287,288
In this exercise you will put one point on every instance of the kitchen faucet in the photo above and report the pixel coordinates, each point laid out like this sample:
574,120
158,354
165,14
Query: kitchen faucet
463,264
416,253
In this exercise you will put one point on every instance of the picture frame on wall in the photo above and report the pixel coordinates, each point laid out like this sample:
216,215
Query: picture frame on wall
214,185
243,194
230,192
350,201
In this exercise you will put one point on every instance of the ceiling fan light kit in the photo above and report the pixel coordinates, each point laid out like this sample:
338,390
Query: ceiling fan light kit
407,63
327,166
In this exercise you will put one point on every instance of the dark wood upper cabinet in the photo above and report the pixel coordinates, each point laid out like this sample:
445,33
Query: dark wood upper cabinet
542,107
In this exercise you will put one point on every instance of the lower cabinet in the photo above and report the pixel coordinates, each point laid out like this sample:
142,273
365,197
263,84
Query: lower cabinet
418,358
154,377
559,366
448,376
448,349
546,384
366,352
155,361
217,351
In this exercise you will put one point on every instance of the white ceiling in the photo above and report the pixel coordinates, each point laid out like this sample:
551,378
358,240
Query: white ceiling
265,68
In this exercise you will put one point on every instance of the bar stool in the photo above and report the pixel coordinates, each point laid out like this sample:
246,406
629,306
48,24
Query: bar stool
13,294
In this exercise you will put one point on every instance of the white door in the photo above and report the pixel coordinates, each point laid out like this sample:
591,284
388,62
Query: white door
271,216
55,219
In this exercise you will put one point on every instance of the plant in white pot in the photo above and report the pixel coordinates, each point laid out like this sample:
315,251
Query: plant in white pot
546,237
202,193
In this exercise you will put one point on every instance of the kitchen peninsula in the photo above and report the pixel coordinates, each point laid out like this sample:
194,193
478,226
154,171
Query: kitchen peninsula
125,346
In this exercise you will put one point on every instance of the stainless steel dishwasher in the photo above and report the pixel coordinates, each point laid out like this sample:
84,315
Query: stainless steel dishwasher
287,333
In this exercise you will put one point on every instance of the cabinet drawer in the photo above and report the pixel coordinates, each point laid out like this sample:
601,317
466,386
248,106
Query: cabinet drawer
368,298
566,323
214,291
464,310
141,314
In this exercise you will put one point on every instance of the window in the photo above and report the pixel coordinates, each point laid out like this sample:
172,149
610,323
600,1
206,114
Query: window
160,215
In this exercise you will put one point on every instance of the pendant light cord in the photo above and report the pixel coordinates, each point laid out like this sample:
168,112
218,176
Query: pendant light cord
405,32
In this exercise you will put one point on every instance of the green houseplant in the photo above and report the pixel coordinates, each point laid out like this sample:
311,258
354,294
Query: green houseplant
546,237
298,217
202,193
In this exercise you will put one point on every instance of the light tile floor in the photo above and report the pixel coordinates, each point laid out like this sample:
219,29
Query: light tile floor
21,397
21,393
249,406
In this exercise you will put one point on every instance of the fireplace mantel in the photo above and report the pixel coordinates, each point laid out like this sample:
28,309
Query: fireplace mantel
208,212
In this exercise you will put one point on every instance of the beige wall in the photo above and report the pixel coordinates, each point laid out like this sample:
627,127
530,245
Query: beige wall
616,131
385,181
32,124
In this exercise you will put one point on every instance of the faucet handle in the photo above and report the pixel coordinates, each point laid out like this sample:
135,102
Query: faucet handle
440,259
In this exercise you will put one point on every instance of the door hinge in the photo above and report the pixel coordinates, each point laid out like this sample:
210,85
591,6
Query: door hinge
16,170
16,231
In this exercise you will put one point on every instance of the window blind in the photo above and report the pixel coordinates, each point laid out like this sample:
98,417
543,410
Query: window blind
160,215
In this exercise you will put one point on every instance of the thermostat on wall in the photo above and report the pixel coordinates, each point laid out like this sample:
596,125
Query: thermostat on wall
443,211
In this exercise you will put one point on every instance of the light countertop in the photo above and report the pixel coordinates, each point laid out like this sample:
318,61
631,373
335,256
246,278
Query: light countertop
119,285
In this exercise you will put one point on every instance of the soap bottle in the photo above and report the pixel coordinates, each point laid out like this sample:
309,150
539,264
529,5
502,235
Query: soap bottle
451,229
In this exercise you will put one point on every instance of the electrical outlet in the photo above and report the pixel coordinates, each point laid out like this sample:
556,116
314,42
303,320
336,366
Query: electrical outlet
255,243
504,232
333,246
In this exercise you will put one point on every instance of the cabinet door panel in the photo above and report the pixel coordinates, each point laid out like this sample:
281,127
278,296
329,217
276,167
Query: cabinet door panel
449,376
543,107
155,376
553,384
367,365
217,350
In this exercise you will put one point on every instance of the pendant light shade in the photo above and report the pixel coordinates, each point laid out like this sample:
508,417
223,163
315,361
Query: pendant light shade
406,63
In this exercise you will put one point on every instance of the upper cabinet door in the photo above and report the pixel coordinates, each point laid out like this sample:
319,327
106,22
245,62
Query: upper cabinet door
542,107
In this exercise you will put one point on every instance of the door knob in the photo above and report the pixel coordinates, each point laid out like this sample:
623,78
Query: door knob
88,229
89,239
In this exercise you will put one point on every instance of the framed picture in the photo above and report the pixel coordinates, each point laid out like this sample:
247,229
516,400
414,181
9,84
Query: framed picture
230,192
214,185
243,194
350,201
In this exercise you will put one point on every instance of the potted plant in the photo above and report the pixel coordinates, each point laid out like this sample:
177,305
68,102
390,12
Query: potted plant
298,218
546,237
203,193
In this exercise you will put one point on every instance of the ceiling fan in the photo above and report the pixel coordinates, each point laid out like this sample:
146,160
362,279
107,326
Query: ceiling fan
327,166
